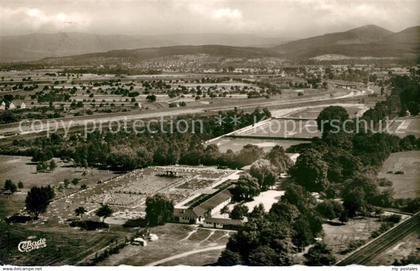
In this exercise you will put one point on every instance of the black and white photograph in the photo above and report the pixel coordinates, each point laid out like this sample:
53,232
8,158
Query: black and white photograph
224,134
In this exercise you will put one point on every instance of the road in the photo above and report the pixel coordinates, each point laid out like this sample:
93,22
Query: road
378,245
185,254
34,127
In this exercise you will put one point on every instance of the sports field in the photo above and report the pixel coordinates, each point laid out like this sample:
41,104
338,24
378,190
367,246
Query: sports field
403,170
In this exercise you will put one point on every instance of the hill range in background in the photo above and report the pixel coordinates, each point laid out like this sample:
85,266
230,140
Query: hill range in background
365,41
368,41
37,46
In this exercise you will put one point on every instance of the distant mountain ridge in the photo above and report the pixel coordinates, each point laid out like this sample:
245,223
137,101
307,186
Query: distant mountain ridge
365,41
37,46
138,55
369,40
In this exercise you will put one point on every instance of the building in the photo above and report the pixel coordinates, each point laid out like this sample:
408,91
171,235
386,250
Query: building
19,104
222,223
3,106
200,208
12,106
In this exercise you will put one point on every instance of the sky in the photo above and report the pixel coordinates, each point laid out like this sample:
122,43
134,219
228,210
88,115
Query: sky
288,18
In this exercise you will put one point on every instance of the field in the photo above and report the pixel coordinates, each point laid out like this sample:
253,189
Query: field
406,185
284,128
405,126
266,198
20,168
64,245
175,240
236,144
410,245
312,112
127,194
339,237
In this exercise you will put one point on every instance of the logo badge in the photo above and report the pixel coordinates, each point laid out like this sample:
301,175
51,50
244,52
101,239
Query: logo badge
27,246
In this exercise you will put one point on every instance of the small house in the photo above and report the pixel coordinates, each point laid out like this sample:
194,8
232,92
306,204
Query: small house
12,106
222,223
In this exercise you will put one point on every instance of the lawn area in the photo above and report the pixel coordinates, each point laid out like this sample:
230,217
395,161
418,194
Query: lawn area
64,245
406,185
285,128
339,237
266,198
236,144
410,245
312,112
174,239
405,126
20,168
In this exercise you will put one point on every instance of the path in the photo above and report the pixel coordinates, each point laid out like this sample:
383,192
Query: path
185,254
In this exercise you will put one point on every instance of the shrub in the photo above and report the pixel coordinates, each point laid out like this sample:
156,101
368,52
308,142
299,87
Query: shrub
89,225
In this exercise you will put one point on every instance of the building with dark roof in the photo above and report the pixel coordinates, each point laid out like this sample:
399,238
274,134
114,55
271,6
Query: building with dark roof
202,207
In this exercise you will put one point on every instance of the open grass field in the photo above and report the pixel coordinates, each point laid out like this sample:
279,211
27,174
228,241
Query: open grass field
339,237
405,126
410,245
312,112
406,185
174,239
236,144
64,245
20,168
285,128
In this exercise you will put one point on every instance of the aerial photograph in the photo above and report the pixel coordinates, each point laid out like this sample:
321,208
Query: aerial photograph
216,133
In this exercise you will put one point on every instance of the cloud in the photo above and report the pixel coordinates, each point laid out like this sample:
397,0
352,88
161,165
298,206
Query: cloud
34,19
296,18
227,14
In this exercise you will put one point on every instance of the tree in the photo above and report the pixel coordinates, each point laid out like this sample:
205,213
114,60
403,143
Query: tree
20,185
224,210
104,211
53,165
302,233
263,256
151,98
80,211
319,255
75,181
248,154
38,199
310,171
229,258
246,188
330,209
358,193
299,197
257,212
41,166
264,172
279,159
354,201
159,210
283,211
342,164
331,118
9,185
259,242
239,212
